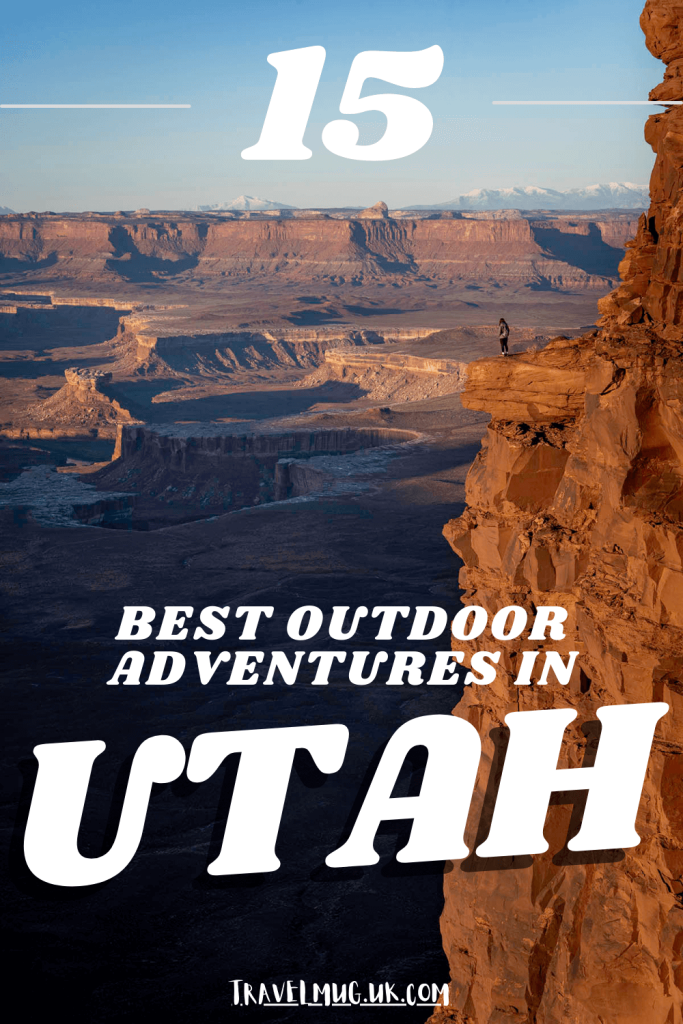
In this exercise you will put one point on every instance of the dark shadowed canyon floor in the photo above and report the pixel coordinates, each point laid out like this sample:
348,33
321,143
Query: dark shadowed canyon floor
162,940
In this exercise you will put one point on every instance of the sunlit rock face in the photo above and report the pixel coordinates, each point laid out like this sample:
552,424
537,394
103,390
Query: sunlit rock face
83,405
651,289
565,252
576,500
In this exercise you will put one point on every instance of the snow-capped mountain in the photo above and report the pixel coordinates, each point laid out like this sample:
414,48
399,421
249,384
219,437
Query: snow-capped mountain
5,209
618,194
245,203
623,195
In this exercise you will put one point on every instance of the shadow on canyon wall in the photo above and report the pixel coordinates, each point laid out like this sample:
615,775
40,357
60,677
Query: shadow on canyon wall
586,251
58,327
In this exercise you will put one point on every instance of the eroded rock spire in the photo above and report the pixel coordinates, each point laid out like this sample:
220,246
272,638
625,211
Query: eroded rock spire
651,288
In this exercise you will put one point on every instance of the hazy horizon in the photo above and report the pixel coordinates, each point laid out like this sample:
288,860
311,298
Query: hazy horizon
278,204
215,59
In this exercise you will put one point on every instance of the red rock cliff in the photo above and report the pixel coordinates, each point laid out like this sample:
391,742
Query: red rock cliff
508,251
651,288
576,500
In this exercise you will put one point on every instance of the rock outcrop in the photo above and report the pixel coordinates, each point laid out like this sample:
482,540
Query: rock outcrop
651,289
576,500
87,382
380,211
154,344
84,404
414,369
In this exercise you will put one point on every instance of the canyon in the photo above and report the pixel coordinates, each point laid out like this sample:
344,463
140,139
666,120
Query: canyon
282,408
189,253
203,316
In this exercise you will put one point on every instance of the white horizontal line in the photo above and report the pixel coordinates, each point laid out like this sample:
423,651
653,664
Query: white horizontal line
334,1005
586,103
95,106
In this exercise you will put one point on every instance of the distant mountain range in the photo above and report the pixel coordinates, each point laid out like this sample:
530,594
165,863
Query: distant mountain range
245,203
623,195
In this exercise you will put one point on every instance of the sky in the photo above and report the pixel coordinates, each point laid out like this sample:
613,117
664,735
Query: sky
212,55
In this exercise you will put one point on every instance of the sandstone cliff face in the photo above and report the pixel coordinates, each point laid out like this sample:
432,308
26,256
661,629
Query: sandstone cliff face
651,288
576,500
151,348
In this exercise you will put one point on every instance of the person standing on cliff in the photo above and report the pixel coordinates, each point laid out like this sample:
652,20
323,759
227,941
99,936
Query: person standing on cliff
503,334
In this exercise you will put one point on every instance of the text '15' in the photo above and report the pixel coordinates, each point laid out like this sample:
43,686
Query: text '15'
409,122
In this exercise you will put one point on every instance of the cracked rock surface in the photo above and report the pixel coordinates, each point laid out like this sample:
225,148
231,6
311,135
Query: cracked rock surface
576,500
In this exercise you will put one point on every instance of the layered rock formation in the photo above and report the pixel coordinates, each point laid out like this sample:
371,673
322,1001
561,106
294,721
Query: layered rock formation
651,290
576,500
87,382
82,404
365,248
188,472
154,343
412,369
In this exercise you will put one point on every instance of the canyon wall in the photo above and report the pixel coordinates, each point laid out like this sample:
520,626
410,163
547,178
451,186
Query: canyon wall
151,347
183,472
562,252
576,500
651,289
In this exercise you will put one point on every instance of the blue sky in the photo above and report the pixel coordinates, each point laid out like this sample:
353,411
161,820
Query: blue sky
213,55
